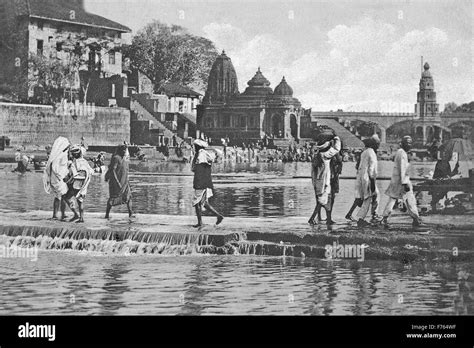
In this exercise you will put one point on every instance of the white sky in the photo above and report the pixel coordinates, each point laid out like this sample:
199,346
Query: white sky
356,55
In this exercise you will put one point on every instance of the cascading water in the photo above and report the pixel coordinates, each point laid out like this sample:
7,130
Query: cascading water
106,241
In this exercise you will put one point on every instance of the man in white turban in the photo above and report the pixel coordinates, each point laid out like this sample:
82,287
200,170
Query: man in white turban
400,185
366,181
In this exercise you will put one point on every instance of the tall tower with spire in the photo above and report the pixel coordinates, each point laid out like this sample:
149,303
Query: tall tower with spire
222,83
426,106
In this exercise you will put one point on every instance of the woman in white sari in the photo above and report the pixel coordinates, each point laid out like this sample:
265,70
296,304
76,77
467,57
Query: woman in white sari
54,174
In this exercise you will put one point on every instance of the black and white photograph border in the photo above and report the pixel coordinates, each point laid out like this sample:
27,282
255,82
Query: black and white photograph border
237,158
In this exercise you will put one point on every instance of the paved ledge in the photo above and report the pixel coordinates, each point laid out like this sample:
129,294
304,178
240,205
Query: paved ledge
289,236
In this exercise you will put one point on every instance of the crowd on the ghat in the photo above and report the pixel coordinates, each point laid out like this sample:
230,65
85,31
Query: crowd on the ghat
67,176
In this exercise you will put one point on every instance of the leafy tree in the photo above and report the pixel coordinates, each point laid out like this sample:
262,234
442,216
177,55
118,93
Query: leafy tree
168,53
450,107
51,75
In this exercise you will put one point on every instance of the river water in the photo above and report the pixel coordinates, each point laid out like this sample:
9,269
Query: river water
71,282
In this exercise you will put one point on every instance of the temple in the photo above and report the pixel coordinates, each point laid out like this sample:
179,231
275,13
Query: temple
248,116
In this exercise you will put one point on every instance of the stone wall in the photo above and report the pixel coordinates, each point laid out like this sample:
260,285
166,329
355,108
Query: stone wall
38,125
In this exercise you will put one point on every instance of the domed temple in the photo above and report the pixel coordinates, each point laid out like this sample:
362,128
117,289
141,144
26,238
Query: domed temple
248,116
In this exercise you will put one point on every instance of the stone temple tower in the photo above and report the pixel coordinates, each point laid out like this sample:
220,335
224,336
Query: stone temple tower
426,106
427,122
222,83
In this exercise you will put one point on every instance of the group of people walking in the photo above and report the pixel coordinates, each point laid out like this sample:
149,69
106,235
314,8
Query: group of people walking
68,174
326,168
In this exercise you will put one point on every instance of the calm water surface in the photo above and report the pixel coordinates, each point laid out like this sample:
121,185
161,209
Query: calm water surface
70,282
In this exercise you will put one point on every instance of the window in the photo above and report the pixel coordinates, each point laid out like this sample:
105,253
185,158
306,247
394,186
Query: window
192,104
59,46
208,122
39,47
112,58
181,106
226,121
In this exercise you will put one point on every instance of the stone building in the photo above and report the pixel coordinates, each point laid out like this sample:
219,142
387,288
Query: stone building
425,124
44,28
427,120
248,116
167,117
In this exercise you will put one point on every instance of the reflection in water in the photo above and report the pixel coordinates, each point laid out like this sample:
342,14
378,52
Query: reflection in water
114,287
192,285
137,285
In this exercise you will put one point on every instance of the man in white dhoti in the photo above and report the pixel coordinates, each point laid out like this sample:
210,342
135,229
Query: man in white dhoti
54,174
202,184
78,180
366,181
400,186
321,174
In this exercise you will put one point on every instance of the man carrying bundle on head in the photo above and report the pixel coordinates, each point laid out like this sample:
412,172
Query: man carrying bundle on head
202,184
78,181
366,181
321,173
400,186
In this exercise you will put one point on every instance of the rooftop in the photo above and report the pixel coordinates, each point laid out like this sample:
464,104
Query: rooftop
172,89
61,11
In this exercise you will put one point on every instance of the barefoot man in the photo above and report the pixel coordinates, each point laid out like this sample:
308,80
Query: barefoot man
366,177
400,186
78,181
203,187
54,173
119,186
321,174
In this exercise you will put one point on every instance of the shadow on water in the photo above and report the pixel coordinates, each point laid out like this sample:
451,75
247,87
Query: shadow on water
114,287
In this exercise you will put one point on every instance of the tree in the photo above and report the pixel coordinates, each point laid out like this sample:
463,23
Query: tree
51,76
168,53
450,107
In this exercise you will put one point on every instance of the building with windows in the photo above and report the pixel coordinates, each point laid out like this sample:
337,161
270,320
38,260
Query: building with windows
167,117
48,28
248,116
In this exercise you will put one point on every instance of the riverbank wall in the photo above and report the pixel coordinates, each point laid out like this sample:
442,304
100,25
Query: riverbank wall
35,126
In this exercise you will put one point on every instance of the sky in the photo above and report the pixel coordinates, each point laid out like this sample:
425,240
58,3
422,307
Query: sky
362,55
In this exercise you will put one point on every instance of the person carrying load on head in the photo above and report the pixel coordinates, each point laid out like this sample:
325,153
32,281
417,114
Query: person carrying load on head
202,184
321,173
